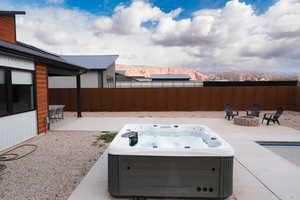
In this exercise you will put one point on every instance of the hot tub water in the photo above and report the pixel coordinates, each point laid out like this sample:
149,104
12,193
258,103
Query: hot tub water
161,138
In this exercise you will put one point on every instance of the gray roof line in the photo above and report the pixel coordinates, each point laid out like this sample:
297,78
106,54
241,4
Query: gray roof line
122,72
26,49
89,55
4,12
91,61
35,48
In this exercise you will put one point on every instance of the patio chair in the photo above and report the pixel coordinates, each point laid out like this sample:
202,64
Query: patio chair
273,117
51,115
59,112
254,110
230,114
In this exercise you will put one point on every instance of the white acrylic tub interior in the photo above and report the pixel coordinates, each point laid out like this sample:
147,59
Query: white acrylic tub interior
171,140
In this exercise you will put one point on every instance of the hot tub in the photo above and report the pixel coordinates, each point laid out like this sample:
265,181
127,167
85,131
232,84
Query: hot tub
180,161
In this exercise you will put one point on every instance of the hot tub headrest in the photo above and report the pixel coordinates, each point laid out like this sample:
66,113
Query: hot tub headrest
133,139
129,134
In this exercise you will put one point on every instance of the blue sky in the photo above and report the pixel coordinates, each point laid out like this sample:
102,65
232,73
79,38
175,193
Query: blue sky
106,7
206,35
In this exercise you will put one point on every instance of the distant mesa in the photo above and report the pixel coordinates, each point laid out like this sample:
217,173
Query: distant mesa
146,71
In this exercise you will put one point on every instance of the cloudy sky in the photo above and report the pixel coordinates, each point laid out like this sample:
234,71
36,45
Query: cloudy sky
206,35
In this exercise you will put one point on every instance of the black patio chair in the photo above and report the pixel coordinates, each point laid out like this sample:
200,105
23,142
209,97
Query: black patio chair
59,112
273,117
254,110
51,115
230,114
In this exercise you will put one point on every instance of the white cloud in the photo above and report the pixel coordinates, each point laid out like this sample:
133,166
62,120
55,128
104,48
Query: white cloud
129,20
233,37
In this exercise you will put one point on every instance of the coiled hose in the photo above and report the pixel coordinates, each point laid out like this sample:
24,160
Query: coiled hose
10,156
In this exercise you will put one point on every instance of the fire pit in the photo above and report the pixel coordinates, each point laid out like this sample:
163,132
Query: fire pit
246,121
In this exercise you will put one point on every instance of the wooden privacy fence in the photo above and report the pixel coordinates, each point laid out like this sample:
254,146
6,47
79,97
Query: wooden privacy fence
298,99
176,99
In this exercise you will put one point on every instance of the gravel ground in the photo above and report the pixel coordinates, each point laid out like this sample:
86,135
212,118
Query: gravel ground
54,170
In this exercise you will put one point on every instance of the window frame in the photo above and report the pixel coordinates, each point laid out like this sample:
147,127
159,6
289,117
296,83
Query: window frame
9,90
5,91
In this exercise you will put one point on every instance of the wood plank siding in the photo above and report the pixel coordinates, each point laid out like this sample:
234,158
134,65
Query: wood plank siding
176,99
42,96
298,99
8,29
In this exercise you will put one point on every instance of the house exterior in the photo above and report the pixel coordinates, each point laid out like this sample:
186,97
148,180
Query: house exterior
155,80
24,71
100,72
121,76
169,77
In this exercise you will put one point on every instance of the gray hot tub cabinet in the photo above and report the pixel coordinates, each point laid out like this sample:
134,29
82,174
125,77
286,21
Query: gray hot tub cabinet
168,176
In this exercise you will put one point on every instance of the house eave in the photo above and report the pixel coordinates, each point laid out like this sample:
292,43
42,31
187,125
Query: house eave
37,59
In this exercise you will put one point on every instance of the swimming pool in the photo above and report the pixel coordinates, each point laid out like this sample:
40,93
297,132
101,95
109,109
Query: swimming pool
287,150
156,160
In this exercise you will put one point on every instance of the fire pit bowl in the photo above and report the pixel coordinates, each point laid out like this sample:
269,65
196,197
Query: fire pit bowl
246,121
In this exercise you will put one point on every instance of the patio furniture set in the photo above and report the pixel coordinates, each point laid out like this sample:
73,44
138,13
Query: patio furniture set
252,116
56,112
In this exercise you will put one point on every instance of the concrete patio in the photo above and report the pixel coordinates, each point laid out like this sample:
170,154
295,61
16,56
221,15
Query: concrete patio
258,172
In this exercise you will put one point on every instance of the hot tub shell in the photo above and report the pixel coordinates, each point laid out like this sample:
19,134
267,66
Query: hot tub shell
178,173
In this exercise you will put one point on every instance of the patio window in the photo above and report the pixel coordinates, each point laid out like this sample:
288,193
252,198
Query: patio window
16,91
3,96
22,91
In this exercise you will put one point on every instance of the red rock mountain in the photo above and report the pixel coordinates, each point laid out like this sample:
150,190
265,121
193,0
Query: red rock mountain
145,71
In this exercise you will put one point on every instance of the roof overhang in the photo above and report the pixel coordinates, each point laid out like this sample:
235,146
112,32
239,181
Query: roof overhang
54,65
92,62
12,13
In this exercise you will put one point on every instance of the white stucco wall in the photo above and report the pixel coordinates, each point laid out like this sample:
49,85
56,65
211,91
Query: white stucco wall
16,62
88,80
91,79
62,82
17,128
